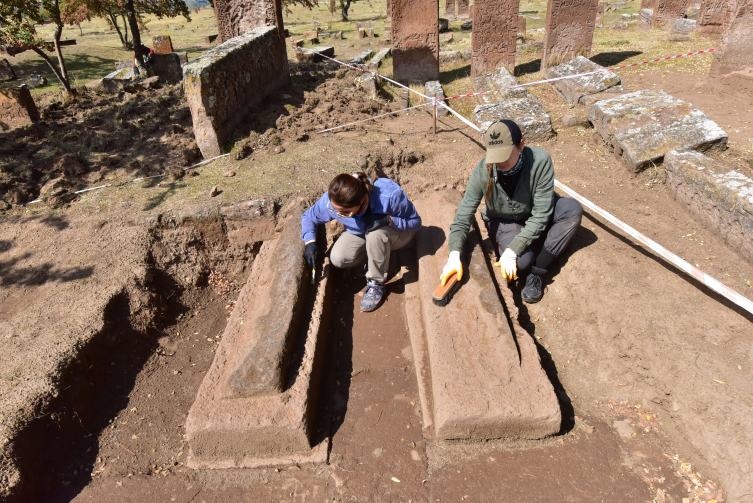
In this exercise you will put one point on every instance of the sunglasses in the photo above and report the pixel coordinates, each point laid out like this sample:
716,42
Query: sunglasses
350,214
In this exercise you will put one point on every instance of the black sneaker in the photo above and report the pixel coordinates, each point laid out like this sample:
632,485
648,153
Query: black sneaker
534,290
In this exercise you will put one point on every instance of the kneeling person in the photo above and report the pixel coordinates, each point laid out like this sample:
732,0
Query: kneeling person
517,183
378,218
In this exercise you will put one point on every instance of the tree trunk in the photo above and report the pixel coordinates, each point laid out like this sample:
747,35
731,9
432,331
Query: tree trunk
61,61
114,21
345,4
55,70
133,23
80,30
125,28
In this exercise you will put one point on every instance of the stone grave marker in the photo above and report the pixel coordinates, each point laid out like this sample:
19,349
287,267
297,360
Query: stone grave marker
569,30
163,44
522,25
235,17
668,11
644,19
494,35
167,67
600,14
449,10
711,16
732,63
17,108
415,40
464,10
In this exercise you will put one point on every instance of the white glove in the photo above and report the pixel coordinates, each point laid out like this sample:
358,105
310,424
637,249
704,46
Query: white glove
508,263
453,265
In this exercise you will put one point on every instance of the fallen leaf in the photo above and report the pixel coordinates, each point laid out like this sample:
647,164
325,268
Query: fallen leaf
395,479
720,382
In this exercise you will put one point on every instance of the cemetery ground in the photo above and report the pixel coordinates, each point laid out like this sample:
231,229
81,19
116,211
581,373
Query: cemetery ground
112,304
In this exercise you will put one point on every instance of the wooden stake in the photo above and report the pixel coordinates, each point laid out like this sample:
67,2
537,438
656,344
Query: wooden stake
435,113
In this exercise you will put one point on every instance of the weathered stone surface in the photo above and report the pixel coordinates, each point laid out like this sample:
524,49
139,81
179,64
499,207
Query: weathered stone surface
642,127
163,44
434,89
521,25
717,194
225,430
415,40
361,33
377,60
645,19
363,57
370,84
236,17
17,108
467,26
684,26
733,59
667,11
574,90
6,71
446,57
310,57
484,380
599,14
692,12
227,80
569,30
444,25
449,10
619,26
446,37
495,30
711,16
167,67
264,368
249,221
464,10
499,79
528,113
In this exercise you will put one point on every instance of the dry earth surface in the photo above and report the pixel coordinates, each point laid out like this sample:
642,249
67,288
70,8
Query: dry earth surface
111,305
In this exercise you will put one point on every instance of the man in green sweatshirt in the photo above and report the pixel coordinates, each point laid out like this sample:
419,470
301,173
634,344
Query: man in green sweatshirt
531,224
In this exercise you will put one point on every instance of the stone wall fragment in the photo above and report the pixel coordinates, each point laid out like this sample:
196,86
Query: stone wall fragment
415,40
226,81
569,30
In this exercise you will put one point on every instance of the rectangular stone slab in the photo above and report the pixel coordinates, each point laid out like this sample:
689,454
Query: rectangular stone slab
574,90
568,30
527,112
494,37
480,386
719,195
225,82
17,108
225,431
498,79
415,40
641,127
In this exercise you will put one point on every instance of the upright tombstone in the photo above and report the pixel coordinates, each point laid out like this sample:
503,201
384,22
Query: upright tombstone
569,31
163,44
415,40
449,10
732,63
17,108
600,14
236,17
668,11
464,9
711,16
389,10
522,25
493,39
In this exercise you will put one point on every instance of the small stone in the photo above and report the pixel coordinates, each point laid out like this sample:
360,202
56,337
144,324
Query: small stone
214,191
569,120
468,25
619,26
228,173
278,149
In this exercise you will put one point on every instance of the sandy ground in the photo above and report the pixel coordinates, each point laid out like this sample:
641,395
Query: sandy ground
652,369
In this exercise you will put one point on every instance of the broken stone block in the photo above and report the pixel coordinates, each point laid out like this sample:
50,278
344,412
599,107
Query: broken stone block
574,90
433,89
684,26
475,381
569,30
6,71
446,57
361,33
363,57
446,38
619,26
641,127
377,60
163,44
528,113
498,79
415,40
210,39
625,17
226,81
250,411
17,108
310,57
168,67
717,194
444,25
467,26
370,84
645,19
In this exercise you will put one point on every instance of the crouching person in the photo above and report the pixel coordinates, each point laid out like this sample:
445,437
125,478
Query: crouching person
378,218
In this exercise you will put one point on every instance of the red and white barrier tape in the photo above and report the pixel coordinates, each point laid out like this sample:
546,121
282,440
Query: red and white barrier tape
135,179
546,81
372,118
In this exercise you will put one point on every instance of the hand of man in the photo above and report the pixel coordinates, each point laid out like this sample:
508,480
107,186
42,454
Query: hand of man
311,254
374,221
509,265
453,266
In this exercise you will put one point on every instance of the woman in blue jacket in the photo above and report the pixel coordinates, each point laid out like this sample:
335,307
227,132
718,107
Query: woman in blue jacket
378,218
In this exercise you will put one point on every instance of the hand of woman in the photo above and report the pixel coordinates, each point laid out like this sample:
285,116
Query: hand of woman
509,264
311,253
375,221
453,266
